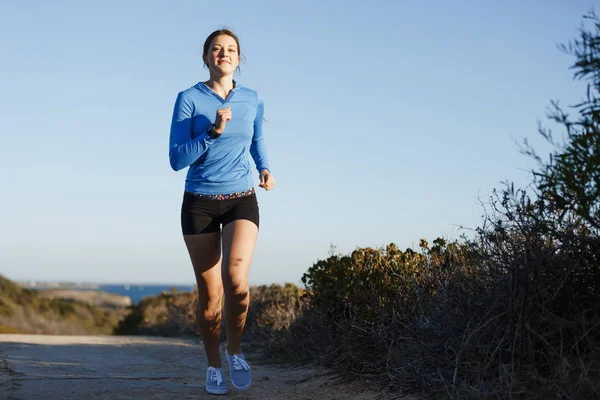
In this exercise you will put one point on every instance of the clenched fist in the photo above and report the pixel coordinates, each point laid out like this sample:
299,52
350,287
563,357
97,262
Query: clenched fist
223,116
267,181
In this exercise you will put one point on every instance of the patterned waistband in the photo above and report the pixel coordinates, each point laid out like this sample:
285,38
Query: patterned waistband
229,196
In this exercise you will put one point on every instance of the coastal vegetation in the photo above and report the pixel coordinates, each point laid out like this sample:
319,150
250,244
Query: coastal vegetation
30,311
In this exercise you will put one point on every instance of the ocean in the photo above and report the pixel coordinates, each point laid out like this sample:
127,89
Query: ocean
138,292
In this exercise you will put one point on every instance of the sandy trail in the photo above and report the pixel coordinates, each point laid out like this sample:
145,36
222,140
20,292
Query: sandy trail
132,367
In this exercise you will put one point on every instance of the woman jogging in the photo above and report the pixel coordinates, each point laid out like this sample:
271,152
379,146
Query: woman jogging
216,127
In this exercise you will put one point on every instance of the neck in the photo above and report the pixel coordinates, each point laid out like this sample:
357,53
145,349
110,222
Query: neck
221,85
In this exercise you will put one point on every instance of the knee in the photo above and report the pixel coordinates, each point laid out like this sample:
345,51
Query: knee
210,300
234,283
235,271
237,292
235,263
235,280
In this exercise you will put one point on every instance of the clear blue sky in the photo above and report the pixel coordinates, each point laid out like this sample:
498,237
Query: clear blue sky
388,121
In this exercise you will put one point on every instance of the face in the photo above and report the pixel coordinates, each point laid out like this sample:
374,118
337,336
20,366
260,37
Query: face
223,55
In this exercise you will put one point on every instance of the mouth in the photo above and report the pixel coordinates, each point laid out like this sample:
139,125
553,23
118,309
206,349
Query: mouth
223,61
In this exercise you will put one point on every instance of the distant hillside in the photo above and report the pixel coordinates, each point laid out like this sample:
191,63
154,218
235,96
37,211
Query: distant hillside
92,297
28,311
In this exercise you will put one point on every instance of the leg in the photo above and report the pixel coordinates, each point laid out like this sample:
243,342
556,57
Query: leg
205,253
239,240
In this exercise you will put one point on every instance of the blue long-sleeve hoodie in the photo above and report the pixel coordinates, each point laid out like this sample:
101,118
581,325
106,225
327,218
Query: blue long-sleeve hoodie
222,165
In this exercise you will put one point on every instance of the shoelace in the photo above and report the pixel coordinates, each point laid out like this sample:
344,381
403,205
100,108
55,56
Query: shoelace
240,363
215,375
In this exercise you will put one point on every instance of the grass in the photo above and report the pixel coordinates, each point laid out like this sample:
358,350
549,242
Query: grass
28,311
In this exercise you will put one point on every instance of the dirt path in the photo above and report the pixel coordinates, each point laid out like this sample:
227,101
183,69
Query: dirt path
126,367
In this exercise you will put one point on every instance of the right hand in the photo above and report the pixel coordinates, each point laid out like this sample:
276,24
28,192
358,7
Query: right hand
223,116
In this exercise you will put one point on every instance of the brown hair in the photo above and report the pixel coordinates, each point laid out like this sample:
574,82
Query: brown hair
220,32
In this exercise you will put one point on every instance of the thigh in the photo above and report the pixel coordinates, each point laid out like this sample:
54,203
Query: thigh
239,240
205,253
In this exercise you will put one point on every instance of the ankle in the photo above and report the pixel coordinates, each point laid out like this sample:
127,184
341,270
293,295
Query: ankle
233,350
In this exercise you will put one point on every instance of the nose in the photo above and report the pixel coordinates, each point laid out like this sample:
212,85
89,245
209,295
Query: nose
221,52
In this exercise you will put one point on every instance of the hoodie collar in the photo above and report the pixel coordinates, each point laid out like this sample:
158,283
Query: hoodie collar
202,87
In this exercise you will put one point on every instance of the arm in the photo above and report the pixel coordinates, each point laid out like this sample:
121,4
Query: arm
258,149
182,150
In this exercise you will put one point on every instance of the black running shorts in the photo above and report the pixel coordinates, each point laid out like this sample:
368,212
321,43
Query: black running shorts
206,215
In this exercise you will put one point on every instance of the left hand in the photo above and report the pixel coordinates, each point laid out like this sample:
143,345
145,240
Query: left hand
267,181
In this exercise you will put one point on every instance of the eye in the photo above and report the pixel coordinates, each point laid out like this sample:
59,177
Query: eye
233,50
